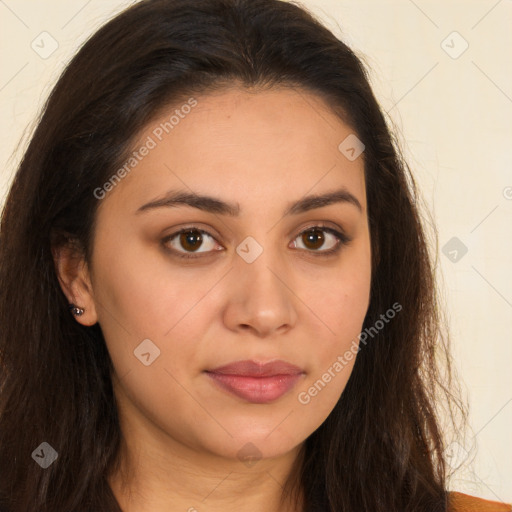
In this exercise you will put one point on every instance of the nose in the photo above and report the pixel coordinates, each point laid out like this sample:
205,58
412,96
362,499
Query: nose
261,298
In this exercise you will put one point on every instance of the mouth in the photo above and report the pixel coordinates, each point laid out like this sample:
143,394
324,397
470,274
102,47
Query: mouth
254,382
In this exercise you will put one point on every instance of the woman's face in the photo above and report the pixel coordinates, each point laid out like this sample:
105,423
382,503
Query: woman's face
260,286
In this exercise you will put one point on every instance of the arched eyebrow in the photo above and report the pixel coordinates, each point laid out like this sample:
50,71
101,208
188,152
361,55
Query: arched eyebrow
175,198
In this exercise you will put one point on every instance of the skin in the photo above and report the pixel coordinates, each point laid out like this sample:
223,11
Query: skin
264,150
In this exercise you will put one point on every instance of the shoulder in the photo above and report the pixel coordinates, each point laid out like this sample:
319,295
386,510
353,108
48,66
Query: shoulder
460,502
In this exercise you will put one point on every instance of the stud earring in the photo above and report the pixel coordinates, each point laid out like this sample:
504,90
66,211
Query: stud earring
76,310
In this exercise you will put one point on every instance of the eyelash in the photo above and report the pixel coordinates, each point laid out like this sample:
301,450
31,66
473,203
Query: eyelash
343,240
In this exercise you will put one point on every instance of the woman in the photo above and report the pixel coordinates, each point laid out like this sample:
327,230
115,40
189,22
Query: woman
216,291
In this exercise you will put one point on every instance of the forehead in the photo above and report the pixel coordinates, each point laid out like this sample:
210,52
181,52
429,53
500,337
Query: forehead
260,145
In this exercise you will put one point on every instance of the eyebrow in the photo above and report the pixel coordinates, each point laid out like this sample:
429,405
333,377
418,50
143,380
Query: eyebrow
214,205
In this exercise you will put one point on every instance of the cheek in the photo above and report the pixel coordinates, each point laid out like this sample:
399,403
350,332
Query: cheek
139,296
334,356
153,308
319,395
143,293
339,296
341,305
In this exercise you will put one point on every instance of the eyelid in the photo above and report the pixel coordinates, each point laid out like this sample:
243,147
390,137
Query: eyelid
342,240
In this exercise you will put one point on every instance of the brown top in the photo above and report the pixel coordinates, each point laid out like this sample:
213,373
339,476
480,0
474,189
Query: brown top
459,502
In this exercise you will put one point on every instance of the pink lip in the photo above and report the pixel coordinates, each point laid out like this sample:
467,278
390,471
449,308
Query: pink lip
257,382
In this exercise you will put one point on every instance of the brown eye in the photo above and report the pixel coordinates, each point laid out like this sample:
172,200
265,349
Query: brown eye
313,238
190,240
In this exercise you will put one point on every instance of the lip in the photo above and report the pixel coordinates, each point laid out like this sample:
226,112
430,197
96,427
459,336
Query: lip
257,382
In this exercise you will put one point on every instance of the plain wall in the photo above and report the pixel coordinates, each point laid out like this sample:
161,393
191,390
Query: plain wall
453,112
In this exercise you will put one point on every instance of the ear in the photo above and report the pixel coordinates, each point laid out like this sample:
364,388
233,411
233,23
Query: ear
74,280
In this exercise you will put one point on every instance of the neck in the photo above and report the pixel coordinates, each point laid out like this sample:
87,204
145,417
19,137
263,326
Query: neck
188,485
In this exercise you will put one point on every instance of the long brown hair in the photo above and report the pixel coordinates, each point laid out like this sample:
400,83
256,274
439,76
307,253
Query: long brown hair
381,448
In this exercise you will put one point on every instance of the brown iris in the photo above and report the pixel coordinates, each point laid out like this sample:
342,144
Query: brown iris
191,239
313,236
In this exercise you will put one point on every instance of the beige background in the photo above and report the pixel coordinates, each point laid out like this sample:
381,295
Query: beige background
453,109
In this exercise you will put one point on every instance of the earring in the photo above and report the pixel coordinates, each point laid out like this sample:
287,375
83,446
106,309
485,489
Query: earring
76,310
